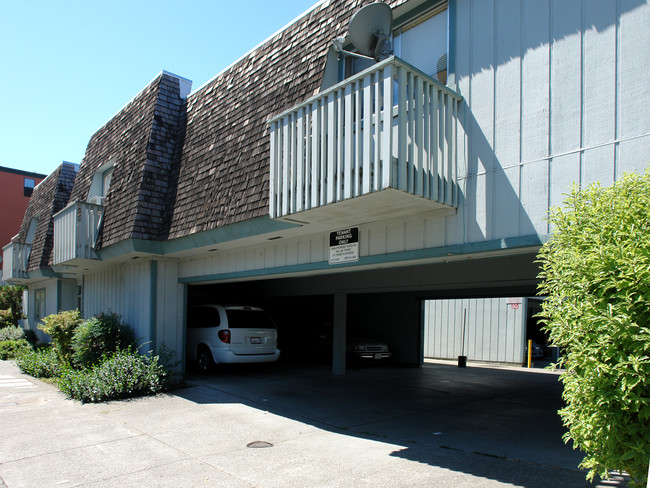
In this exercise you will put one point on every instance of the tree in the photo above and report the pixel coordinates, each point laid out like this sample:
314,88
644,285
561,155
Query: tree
595,270
11,305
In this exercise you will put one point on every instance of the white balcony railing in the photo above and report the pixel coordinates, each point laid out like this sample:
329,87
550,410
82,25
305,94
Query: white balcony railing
75,232
15,258
341,144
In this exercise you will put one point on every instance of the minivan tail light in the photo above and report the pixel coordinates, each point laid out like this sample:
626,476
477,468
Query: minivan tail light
224,335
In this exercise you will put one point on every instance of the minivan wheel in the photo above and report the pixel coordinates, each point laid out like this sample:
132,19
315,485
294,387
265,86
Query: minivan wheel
204,360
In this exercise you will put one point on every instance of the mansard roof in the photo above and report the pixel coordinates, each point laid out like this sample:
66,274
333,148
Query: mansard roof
140,141
224,167
50,196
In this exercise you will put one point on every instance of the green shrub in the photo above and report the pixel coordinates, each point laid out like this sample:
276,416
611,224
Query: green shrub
14,349
31,337
124,374
11,305
595,272
12,333
99,336
60,327
6,318
42,363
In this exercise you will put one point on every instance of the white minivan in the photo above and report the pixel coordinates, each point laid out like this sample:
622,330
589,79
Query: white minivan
219,334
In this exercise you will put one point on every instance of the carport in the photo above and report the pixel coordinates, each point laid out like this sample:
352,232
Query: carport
384,303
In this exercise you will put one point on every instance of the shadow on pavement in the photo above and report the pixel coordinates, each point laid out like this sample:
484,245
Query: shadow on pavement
495,423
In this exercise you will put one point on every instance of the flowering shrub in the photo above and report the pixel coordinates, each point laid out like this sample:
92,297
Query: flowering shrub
124,374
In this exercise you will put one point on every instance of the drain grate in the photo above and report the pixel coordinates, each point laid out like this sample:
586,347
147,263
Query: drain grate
258,444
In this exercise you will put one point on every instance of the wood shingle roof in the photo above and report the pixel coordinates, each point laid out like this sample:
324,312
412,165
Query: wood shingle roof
49,197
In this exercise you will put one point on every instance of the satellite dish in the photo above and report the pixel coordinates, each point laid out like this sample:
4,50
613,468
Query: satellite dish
370,29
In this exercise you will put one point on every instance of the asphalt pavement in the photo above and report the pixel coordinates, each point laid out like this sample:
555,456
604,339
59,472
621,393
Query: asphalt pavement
296,426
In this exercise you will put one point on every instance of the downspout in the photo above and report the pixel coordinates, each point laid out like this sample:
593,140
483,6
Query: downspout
153,304
58,295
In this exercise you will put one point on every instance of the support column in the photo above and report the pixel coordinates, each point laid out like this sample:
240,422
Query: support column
338,333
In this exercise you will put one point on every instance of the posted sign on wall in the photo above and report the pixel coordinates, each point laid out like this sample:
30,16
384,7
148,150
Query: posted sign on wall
344,246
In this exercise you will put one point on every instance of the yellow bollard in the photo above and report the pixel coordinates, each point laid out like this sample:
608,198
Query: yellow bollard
530,353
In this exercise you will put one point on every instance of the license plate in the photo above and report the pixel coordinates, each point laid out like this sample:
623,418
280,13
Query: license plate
256,340
377,355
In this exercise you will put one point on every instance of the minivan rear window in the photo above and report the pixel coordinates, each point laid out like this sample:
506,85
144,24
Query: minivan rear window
201,317
249,319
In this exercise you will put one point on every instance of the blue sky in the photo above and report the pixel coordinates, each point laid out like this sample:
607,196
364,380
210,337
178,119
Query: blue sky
68,66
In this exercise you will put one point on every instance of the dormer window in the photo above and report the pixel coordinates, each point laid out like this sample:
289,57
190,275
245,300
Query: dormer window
31,232
101,183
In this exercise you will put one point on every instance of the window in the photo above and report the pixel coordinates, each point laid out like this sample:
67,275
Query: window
106,181
423,43
420,41
31,231
39,304
201,317
101,183
28,186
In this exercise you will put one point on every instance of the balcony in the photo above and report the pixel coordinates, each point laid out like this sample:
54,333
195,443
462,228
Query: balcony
378,145
15,258
75,233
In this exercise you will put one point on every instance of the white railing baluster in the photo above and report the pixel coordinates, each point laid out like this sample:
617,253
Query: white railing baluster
274,165
418,137
357,138
286,158
401,131
340,147
367,133
377,133
348,154
387,128
300,160
322,165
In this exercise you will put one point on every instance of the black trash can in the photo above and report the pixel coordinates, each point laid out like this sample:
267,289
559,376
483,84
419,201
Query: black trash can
462,361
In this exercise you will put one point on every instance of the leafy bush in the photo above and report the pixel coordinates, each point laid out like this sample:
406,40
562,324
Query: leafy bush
12,333
11,305
14,348
6,318
42,363
31,337
99,336
61,327
595,271
124,374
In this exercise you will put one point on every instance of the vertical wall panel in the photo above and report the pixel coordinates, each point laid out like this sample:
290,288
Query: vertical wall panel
506,206
507,75
566,53
599,57
494,332
564,171
534,198
535,81
124,290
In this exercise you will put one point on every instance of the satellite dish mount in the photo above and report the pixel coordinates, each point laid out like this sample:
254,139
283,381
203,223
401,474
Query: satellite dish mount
370,32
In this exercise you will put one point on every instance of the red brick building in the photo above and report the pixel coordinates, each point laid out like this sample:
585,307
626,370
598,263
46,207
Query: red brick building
16,187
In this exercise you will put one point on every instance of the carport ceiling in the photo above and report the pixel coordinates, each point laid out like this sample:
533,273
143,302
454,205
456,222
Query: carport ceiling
496,276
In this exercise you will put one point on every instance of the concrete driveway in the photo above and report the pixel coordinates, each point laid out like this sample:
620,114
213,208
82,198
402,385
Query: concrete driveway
293,426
